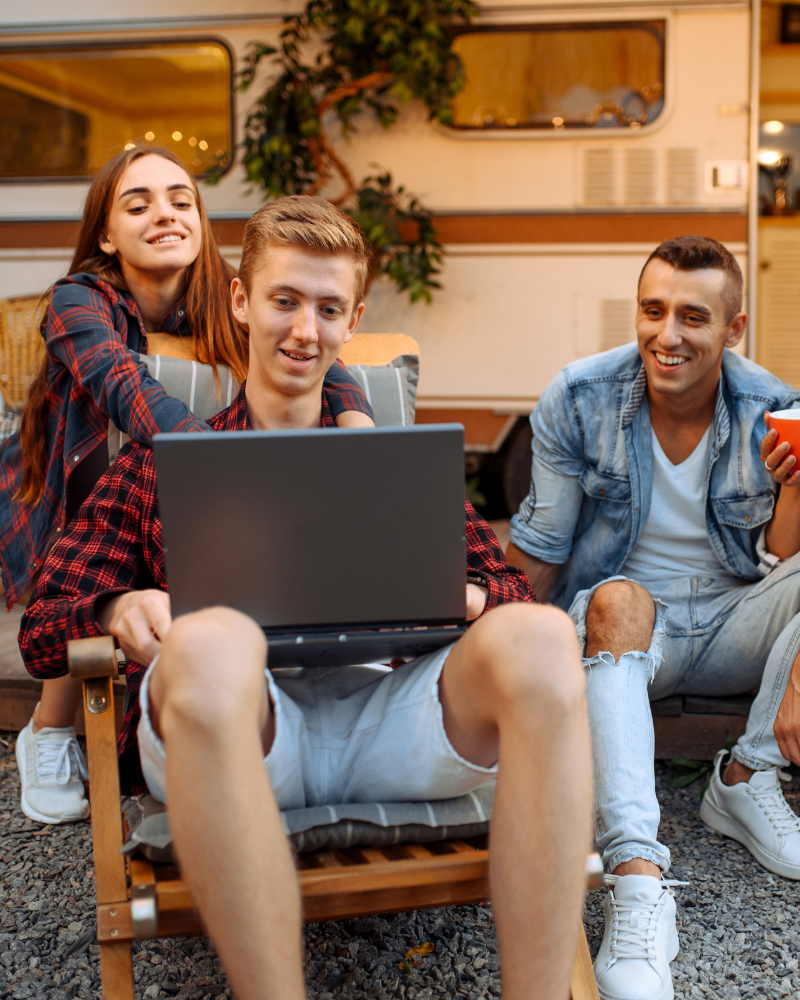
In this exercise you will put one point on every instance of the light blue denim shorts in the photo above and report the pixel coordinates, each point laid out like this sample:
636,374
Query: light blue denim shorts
349,734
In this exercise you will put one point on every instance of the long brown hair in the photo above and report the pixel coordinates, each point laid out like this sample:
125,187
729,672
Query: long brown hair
217,339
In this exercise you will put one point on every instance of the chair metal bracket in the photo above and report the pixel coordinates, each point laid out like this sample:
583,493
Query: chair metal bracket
98,694
144,911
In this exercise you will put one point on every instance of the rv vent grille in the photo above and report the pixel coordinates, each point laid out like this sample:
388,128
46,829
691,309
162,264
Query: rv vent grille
599,177
616,323
778,334
681,176
640,177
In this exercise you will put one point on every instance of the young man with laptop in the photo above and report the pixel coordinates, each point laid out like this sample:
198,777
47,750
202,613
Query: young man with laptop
666,518
228,746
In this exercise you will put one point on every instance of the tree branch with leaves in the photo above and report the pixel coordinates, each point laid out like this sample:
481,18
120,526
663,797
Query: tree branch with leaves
344,58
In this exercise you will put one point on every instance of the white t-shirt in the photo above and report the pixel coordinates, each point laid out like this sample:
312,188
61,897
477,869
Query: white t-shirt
674,542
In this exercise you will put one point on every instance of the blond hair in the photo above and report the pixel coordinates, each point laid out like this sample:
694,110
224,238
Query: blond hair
308,223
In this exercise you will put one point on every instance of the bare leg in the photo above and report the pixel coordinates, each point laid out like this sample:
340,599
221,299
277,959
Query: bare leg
513,690
59,703
620,617
212,710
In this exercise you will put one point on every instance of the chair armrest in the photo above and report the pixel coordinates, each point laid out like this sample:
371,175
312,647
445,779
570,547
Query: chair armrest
95,657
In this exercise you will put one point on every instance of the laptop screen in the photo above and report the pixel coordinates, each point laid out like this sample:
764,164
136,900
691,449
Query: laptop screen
318,528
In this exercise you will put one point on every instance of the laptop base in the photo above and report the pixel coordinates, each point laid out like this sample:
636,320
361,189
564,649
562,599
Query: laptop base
339,649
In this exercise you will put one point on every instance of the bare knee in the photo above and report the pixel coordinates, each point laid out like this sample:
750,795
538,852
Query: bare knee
620,617
210,672
531,659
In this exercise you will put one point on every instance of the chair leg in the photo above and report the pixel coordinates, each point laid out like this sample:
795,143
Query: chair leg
116,970
583,985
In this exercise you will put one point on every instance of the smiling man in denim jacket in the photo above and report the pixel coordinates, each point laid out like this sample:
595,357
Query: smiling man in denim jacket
664,518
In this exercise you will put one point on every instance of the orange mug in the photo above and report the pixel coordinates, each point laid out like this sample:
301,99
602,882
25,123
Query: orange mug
787,424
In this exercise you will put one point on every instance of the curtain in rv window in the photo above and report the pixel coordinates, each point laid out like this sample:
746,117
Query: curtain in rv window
561,76
64,111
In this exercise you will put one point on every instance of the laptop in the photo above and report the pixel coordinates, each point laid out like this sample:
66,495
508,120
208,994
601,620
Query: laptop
345,545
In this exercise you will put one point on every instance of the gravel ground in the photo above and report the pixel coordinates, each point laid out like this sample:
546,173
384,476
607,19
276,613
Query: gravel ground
739,927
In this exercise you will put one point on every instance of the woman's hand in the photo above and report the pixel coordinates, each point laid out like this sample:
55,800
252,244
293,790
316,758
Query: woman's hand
139,620
354,418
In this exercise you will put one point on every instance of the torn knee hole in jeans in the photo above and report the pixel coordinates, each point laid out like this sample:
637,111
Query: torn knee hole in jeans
651,659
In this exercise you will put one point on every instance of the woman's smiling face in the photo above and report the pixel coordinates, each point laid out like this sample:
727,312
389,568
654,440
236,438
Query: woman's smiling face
154,221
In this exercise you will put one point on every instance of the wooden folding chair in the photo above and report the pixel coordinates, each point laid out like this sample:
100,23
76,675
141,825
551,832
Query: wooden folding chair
138,900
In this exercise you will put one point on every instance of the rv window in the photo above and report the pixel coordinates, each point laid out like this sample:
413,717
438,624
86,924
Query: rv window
561,76
64,111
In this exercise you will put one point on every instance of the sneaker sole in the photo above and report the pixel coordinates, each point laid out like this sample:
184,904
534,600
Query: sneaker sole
730,827
19,752
668,993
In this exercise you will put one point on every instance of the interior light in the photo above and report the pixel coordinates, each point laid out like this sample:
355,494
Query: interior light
769,157
773,127
130,145
203,144
558,121
177,136
193,141
149,136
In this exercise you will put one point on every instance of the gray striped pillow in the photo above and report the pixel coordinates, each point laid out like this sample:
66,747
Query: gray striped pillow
391,389
354,824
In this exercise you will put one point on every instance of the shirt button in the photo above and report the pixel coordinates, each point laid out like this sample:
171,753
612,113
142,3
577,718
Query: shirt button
57,530
76,458
181,312
747,520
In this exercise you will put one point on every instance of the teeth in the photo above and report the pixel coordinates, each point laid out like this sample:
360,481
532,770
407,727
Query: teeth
167,239
667,359
297,357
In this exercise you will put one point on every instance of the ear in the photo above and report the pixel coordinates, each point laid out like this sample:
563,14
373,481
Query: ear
239,302
106,245
736,330
355,319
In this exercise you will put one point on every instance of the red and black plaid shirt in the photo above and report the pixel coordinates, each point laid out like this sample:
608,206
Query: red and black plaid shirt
115,544
94,334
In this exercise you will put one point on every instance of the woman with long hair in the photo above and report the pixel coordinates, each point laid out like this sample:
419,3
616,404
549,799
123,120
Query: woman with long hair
146,262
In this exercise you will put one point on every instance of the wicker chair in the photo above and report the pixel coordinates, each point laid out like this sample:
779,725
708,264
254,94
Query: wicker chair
21,345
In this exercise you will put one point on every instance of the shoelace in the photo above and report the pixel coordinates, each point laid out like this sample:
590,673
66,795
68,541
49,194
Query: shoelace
55,761
778,811
634,922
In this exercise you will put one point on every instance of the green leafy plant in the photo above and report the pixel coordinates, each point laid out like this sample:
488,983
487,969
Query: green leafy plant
343,58
696,769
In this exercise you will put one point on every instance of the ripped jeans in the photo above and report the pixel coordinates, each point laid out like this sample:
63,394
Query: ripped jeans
710,638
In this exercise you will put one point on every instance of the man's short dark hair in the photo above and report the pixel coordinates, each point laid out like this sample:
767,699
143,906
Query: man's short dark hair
690,253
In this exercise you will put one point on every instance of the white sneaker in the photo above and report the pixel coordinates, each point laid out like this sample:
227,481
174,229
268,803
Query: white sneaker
756,814
51,766
640,939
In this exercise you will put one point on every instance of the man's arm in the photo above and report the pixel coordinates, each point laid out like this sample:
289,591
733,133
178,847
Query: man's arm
112,546
541,575
542,530
783,531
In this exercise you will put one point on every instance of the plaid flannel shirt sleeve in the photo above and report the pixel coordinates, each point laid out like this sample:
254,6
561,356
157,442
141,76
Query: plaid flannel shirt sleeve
112,545
344,393
506,583
81,333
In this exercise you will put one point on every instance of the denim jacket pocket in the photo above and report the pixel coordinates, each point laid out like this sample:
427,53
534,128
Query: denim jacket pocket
744,512
600,486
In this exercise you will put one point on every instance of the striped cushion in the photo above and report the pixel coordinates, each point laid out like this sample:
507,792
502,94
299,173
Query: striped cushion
355,824
391,389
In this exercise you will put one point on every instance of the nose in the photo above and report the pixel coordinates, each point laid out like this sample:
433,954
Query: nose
165,211
670,336
304,328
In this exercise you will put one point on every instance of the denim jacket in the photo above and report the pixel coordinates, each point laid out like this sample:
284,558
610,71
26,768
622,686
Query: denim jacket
593,468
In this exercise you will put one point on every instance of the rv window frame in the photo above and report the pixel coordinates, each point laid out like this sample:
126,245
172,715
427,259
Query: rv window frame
132,44
494,23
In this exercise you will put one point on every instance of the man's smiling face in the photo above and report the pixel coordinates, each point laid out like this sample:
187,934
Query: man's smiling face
300,311
682,327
